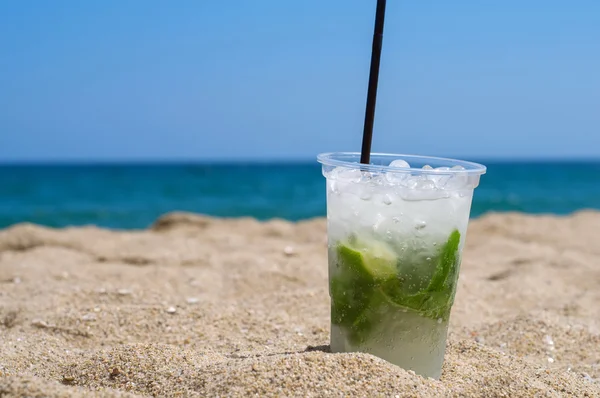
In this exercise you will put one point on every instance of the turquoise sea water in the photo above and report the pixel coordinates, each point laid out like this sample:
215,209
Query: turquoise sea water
133,196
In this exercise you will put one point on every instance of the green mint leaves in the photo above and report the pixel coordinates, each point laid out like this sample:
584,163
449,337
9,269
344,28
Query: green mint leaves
371,281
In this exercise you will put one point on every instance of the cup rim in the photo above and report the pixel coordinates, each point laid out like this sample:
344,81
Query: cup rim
333,159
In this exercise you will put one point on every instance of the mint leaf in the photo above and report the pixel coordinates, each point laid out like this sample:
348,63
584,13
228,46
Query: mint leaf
369,319
350,296
436,299
446,263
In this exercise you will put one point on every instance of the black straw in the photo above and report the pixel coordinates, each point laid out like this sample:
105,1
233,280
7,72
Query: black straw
365,155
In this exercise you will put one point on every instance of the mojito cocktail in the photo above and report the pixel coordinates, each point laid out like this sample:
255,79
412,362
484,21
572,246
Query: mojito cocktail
396,229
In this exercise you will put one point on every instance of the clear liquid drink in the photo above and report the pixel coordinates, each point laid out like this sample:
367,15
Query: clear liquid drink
396,230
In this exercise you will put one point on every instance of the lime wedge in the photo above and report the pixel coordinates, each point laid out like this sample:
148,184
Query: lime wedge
375,261
361,267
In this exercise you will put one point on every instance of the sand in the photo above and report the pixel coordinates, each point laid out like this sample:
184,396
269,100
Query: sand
199,306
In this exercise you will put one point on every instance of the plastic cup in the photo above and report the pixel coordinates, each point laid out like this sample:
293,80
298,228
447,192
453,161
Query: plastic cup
395,237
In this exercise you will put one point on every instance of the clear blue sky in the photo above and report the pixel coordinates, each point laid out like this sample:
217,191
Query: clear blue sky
145,79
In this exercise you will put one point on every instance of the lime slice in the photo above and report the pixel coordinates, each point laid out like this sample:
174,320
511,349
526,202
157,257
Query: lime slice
374,261
361,267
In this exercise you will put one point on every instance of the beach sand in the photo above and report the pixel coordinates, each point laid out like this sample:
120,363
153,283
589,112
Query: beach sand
199,306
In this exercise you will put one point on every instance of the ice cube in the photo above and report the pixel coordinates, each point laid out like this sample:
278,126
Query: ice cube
420,187
400,163
343,179
440,180
424,184
457,181
365,193
346,175
419,182
411,181
379,221
398,178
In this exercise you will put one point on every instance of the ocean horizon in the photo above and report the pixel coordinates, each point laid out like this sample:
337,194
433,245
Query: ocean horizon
133,194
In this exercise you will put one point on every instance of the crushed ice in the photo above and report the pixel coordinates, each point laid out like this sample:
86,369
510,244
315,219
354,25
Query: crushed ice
398,178
410,184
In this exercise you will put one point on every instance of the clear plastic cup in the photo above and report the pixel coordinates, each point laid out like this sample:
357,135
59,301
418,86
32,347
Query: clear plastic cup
396,229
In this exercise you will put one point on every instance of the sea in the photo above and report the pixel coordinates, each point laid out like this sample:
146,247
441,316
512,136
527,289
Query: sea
133,196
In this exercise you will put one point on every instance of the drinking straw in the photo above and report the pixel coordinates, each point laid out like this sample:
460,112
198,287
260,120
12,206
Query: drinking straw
365,155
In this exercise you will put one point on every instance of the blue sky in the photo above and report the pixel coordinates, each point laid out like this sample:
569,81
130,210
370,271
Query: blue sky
144,79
